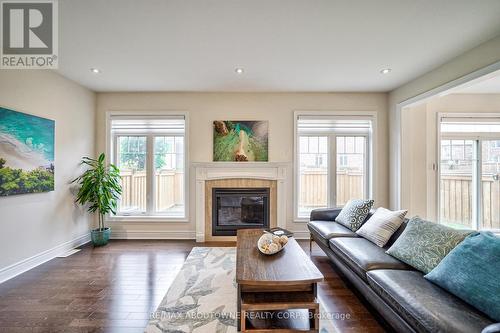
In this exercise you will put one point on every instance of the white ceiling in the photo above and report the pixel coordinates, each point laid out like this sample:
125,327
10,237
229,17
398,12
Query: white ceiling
283,45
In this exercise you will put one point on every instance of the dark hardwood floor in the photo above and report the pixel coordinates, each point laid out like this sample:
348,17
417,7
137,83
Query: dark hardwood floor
115,288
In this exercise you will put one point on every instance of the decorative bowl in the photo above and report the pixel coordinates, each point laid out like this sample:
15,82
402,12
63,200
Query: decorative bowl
270,244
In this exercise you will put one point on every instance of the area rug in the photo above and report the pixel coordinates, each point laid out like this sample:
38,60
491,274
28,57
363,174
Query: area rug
202,298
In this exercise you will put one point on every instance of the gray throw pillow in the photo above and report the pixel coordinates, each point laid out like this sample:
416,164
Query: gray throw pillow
423,244
380,227
354,213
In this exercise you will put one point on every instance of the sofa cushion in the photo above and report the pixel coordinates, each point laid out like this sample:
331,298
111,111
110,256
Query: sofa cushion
382,225
471,271
354,213
362,255
424,305
328,229
424,244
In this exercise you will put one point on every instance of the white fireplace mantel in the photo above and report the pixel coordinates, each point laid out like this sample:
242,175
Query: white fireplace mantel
247,170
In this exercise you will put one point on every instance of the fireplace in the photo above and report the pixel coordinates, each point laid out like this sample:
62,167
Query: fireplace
239,208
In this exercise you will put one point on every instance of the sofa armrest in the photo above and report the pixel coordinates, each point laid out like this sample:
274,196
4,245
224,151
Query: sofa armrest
493,328
325,214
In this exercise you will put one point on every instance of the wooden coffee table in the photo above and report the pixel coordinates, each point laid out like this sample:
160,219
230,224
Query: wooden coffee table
283,281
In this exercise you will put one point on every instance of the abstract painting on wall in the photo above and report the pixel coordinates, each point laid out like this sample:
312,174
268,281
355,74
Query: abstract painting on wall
240,141
26,153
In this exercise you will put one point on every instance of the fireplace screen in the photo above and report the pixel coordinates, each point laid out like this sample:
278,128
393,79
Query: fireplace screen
239,208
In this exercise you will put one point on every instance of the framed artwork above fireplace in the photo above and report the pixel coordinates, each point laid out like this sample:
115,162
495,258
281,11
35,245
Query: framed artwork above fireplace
240,141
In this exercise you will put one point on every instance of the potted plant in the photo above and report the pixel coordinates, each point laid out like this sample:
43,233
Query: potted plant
100,188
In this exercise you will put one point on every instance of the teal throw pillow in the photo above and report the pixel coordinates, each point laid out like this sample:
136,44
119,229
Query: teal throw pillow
471,271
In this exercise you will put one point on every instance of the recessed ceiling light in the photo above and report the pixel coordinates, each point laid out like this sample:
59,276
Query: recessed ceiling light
239,70
95,70
385,71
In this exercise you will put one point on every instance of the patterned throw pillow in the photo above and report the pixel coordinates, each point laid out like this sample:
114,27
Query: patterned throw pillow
424,244
380,227
354,213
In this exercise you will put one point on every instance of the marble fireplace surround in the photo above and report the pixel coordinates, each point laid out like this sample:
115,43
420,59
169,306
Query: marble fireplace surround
243,170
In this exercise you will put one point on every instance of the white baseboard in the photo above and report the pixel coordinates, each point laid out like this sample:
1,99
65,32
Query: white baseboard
151,234
22,266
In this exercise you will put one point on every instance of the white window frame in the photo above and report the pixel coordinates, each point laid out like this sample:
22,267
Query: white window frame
111,149
370,146
477,139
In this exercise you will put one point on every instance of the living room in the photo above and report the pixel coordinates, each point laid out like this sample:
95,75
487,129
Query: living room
177,166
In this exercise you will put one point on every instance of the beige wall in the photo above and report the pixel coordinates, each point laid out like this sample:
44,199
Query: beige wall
277,108
483,55
34,223
419,144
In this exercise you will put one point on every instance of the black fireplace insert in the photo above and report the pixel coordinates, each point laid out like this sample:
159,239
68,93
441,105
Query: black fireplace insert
239,208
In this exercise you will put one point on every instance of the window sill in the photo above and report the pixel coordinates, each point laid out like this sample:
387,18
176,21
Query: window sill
154,219
300,220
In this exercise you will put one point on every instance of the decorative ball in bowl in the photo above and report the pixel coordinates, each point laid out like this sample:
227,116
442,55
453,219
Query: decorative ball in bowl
271,244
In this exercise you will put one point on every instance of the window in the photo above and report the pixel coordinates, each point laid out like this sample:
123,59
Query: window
469,172
131,159
332,161
351,168
150,152
313,174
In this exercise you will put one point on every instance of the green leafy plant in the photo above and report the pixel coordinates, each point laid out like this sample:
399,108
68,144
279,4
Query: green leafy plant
99,187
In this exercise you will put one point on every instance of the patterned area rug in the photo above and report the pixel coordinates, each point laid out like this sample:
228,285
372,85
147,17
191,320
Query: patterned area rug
202,298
